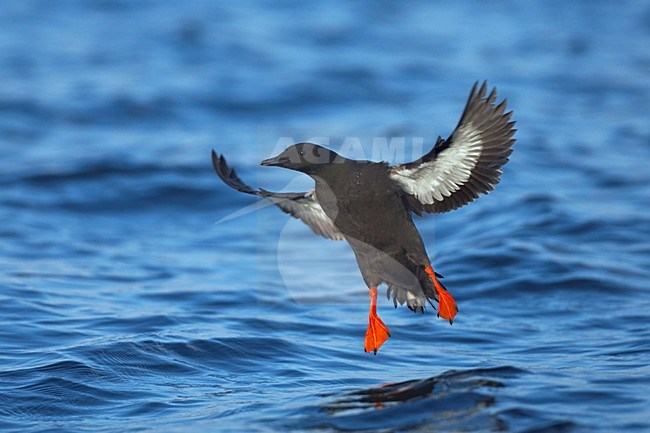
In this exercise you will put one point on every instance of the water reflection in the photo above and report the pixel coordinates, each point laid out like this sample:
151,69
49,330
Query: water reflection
454,400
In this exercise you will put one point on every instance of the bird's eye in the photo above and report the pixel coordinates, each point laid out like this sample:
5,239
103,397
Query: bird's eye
302,153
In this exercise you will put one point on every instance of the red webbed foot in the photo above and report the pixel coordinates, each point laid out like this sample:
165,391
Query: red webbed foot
377,332
447,307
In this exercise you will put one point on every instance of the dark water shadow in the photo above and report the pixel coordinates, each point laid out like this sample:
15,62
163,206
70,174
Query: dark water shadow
452,401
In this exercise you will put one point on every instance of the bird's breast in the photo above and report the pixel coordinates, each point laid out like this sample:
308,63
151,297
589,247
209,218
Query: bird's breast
363,207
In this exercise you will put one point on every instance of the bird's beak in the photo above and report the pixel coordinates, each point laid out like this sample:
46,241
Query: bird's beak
276,160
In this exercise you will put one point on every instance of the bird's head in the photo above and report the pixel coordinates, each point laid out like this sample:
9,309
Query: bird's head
304,157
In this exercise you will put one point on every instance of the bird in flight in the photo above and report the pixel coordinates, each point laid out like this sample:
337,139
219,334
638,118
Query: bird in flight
371,204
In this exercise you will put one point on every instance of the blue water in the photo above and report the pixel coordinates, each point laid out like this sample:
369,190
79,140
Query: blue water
128,303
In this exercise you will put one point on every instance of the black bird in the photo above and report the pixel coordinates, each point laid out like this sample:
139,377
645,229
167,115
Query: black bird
370,204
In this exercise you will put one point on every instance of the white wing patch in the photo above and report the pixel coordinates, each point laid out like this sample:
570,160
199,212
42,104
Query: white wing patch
434,180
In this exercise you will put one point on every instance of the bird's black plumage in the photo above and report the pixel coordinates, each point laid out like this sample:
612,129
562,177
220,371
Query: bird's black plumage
370,204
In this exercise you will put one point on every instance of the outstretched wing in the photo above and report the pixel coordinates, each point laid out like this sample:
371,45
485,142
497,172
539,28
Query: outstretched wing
468,163
301,205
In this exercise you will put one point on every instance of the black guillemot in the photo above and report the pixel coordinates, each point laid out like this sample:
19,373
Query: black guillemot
370,204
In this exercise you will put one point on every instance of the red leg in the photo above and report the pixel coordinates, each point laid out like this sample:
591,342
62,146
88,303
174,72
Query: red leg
377,332
447,308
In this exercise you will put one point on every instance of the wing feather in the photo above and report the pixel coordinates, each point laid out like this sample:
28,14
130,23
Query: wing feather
468,163
301,205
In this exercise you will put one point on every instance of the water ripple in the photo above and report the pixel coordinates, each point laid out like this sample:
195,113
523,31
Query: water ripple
124,307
